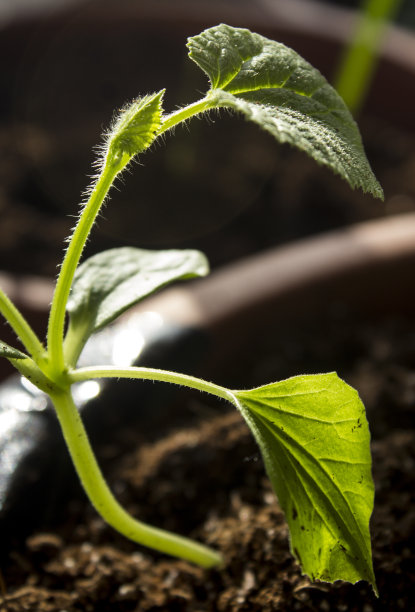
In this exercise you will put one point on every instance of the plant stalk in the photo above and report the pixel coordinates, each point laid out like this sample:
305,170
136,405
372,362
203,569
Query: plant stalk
73,254
182,114
357,67
22,328
133,372
79,237
104,502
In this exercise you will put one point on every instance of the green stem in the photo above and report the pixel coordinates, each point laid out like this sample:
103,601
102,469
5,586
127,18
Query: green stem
192,382
76,245
70,262
22,328
75,339
181,115
104,502
358,64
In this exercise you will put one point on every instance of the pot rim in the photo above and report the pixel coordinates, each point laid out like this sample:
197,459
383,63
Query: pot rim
308,17
367,266
282,271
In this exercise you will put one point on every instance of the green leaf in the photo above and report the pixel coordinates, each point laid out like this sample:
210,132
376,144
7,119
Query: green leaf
9,352
136,127
110,282
314,437
276,88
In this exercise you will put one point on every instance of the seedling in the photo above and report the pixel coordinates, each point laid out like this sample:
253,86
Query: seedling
358,65
312,430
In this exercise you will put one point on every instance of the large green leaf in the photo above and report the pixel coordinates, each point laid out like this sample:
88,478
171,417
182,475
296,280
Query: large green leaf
110,282
277,89
315,440
10,352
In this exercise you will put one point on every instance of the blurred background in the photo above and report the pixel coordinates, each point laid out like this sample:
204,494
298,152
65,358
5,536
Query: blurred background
220,184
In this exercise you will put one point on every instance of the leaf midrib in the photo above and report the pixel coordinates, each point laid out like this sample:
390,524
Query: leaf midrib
283,434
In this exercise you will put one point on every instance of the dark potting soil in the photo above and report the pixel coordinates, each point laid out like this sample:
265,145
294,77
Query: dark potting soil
207,480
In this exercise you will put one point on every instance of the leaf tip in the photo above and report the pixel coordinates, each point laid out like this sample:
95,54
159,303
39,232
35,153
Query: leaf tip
9,352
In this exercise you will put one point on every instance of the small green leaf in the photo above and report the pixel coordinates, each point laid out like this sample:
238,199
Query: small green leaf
315,440
136,127
110,282
274,87
9,352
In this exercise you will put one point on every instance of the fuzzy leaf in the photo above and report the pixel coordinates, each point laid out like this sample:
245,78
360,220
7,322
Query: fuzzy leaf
136,126
315,440
273,86
110,282
9,352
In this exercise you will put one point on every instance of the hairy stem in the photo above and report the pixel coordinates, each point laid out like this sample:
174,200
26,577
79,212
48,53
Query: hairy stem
22,328
151,374
112,166
104,502
70,262
181,115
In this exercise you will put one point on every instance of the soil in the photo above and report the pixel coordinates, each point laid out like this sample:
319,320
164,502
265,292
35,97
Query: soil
207,480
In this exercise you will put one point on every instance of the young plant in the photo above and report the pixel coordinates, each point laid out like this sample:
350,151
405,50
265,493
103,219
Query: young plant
359,62
312,430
